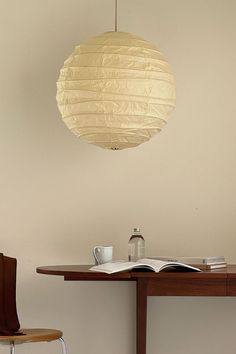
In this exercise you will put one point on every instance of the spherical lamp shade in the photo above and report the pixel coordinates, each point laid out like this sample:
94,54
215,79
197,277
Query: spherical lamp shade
115,91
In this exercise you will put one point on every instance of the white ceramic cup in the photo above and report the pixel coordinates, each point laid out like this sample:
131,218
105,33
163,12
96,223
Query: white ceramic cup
103,254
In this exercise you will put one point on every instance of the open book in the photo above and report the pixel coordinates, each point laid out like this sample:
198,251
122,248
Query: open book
145,264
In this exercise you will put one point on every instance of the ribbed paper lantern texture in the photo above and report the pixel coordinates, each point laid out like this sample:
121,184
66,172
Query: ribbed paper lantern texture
115,91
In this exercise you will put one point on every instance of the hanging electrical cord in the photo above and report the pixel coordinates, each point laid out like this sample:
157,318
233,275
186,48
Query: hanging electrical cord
116,5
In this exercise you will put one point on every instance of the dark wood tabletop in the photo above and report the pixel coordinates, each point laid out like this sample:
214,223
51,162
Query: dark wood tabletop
82,272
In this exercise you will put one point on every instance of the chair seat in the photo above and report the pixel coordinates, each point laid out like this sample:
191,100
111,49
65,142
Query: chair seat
33,335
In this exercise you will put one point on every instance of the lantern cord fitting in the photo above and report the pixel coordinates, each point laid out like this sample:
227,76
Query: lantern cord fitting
116,15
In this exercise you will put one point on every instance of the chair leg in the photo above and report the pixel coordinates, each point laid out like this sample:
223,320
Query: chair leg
12,347
63,346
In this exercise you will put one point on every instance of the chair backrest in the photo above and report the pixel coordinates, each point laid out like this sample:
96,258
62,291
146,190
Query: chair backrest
9,322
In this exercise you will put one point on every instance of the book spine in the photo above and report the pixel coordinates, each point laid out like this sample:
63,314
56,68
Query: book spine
210,266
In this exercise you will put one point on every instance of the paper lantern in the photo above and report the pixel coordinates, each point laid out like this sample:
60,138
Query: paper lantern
115,91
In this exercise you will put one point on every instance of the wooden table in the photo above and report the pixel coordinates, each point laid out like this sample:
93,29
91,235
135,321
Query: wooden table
207,283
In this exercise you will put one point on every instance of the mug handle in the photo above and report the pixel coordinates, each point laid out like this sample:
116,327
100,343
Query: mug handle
95,251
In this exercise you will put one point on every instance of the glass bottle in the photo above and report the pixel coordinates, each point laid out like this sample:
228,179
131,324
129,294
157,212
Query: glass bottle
136,246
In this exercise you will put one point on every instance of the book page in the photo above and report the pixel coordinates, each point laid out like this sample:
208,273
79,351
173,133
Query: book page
158,265
113,267
155,264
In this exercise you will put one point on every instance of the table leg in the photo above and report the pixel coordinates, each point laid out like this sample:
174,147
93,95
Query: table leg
141,313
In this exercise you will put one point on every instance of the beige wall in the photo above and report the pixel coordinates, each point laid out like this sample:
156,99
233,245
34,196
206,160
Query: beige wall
60,197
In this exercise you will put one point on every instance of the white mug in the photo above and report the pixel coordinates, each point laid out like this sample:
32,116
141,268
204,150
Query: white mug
102,254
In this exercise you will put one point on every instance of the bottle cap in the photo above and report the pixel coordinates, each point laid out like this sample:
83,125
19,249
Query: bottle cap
136,229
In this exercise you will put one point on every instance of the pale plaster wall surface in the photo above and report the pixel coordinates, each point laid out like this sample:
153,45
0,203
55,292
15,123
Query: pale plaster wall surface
60,196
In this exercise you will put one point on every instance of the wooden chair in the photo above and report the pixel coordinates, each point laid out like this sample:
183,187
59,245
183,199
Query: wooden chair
34,335
10,331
